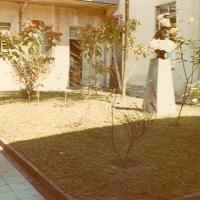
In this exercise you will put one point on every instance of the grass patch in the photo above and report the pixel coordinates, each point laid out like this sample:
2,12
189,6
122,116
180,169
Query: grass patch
72,146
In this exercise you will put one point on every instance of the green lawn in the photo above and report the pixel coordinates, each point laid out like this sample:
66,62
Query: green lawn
78,154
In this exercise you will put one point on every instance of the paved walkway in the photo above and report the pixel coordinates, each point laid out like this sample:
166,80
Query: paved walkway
13,185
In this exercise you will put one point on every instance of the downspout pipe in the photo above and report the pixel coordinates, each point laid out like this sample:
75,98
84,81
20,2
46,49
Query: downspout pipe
25,4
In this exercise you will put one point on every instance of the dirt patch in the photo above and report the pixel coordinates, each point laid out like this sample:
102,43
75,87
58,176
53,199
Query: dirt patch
72,146
125,164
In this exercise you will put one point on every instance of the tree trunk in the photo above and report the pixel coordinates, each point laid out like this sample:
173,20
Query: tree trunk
38,96
119,80
29,95
66,96
125,67
29,89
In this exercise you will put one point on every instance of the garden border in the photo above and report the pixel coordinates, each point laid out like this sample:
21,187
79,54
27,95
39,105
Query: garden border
47,189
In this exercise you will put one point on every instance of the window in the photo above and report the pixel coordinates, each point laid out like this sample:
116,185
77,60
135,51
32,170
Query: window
76,58
46,47
73,32
168,8
119,18
4,26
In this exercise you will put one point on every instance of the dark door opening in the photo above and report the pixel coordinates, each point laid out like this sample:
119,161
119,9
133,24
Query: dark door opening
113,76
117,50
75,64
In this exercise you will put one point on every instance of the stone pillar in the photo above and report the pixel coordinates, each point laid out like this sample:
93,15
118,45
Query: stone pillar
159,91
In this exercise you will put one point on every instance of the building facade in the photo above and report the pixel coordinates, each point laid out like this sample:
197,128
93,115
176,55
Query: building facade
64,16
67,16
146,12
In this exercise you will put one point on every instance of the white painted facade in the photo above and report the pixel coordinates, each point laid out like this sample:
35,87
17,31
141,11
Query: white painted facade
145,12
62,17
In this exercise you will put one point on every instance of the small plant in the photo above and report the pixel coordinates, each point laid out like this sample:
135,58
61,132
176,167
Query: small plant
194,93
109,37
25,51
188,53
91,48
136,124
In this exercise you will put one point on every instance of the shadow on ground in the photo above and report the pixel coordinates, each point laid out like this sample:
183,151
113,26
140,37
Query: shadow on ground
165,162
10,96
75,95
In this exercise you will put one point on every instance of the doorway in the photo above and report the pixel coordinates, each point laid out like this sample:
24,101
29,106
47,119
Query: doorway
75,64
118,55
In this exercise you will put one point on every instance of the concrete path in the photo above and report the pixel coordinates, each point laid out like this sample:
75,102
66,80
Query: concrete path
13,185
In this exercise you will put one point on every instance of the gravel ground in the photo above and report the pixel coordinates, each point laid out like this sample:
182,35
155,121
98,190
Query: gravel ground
27,121
24,121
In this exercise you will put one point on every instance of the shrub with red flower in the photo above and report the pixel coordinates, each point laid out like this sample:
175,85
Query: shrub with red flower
26,53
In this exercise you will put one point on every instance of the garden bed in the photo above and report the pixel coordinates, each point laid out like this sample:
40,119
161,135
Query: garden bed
71,144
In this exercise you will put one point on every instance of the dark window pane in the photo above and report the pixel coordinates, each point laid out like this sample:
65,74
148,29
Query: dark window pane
173,20
172,8
163,10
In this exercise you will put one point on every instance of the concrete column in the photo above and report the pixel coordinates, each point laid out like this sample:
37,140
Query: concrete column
159,91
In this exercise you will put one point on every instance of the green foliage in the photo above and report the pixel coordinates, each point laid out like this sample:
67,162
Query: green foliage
186,46
109,35
194,92
94,42
188,53
90,45
89,38
26,53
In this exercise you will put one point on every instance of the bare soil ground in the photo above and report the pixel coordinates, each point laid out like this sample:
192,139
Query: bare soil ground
71,144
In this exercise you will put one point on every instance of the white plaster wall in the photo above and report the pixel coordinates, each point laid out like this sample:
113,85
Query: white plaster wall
83,16
40,12
186,10
145,12
8,80
9,13
60,18
58,79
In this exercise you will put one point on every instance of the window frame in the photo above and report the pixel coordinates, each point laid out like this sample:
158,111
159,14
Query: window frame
45,46
168,7
4,26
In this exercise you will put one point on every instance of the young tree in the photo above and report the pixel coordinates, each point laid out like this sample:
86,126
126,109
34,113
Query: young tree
188,51
194,62
27,55
93,42
90,45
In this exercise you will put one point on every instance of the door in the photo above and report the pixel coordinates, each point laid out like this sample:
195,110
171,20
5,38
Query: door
118,54
75,63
